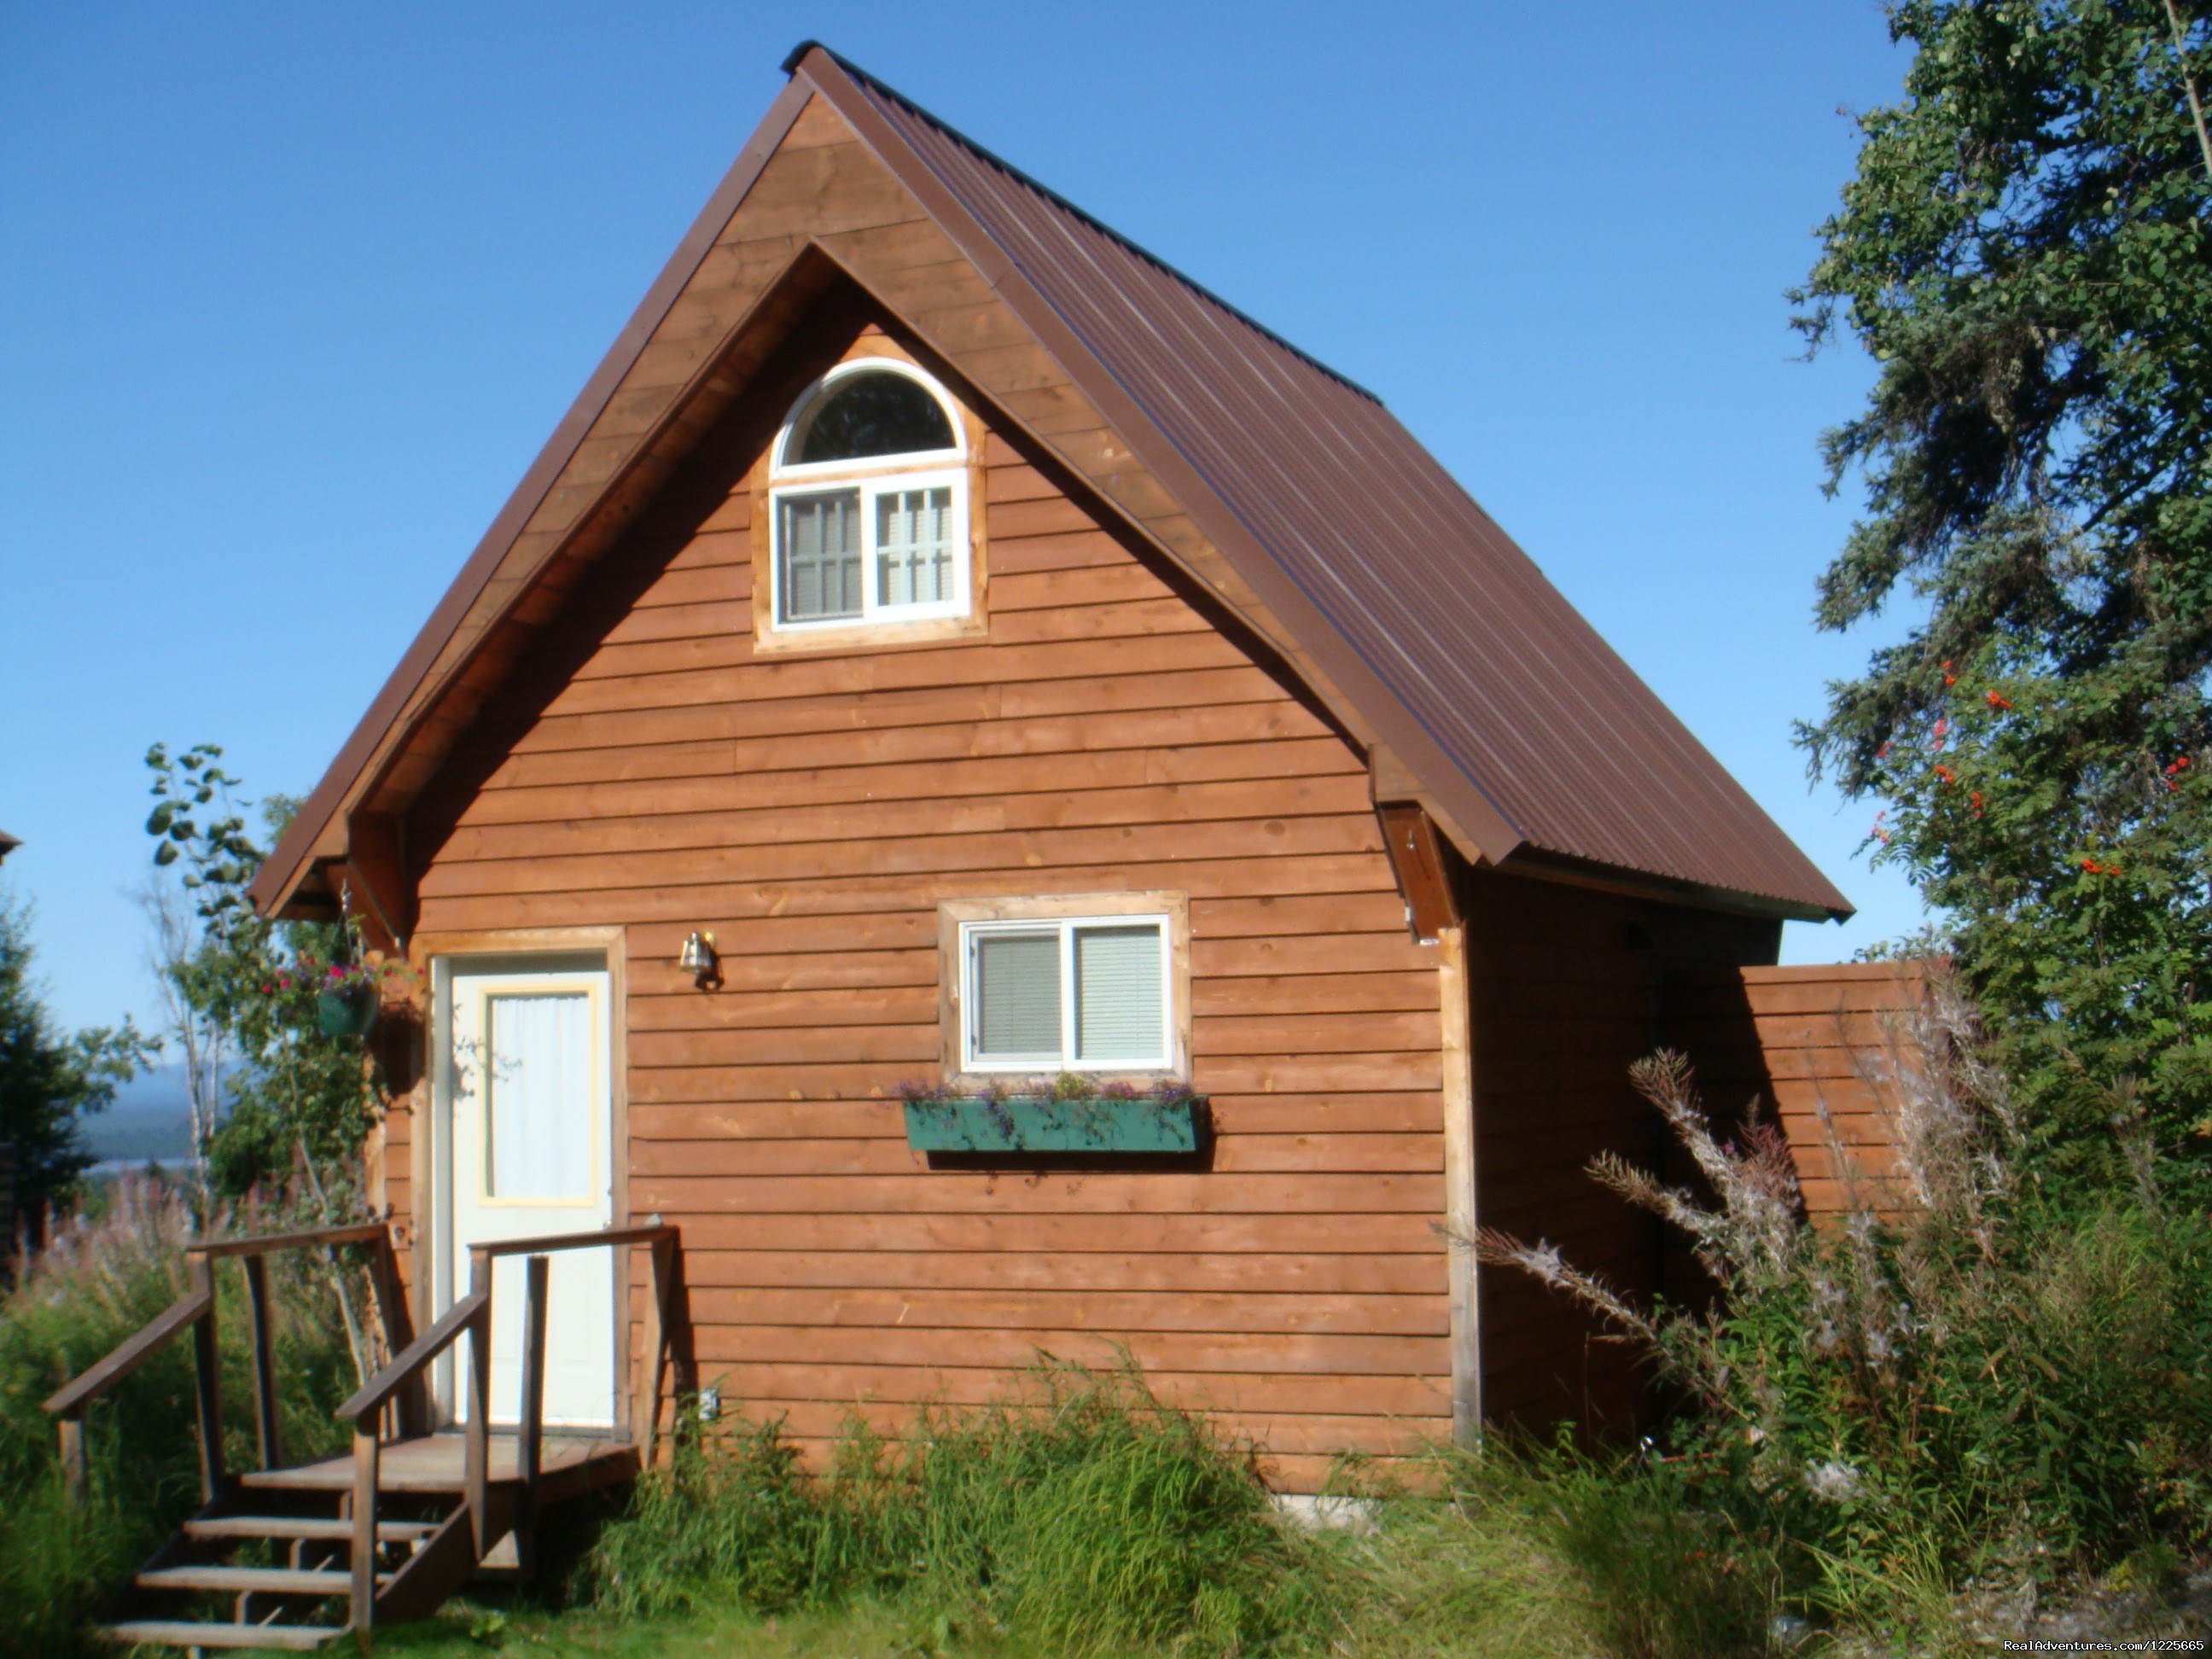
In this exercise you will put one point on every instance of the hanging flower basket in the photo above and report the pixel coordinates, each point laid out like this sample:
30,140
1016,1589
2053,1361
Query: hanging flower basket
1017,1123
347,1011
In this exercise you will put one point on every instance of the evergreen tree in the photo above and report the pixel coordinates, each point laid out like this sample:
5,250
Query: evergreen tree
2027,251
48,1081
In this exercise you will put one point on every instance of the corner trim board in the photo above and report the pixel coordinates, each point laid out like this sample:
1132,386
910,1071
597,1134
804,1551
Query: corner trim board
1461,1271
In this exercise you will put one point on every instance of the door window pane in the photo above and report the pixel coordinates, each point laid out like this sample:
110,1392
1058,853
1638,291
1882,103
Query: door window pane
537,1096
821,540
1017,997
914,546
1117,994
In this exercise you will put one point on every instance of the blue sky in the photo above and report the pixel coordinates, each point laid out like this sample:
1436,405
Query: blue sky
292,295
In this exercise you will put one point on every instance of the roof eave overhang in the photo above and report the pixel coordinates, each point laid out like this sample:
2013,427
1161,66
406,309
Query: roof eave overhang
1540,864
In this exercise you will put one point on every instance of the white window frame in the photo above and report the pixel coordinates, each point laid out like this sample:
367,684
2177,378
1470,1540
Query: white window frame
874,478
871,488
971,932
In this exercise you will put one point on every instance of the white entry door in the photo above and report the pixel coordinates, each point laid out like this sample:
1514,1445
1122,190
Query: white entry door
530,1120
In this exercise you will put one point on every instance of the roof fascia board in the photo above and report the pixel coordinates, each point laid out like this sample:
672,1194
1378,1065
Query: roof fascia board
288,863
1483,834
1536,864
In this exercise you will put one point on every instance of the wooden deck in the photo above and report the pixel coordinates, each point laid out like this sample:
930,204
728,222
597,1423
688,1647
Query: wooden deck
569,1463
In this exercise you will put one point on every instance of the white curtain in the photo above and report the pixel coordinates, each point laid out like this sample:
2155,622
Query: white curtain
538,1088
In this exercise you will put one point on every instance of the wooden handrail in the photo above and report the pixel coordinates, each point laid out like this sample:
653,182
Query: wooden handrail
373,1394
358,1232
472,1314
652,1232
196,1309
133,1352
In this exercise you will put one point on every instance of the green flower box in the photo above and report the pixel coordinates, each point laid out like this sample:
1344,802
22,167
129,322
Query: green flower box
974,1123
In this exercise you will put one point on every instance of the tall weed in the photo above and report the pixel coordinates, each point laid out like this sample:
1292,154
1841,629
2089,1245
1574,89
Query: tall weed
1525,1549
1081,1512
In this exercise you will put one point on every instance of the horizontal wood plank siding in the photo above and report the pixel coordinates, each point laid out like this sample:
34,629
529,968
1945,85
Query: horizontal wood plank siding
1114,731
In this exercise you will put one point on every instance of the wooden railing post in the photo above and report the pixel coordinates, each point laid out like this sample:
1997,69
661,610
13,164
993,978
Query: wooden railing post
530,1437
207,1378
196,1309
477,1439
366,1454
264,1361
411,1409
76,1469
661,1256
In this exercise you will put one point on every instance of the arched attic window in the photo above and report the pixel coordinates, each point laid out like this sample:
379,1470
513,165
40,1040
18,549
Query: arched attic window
868,489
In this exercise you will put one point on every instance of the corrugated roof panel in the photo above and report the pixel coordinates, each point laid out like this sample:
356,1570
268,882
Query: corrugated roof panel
1416,581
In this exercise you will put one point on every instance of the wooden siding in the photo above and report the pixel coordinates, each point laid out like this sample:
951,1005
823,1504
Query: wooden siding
1114,731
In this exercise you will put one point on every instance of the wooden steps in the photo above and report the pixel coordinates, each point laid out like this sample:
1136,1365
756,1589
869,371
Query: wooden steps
423,1554
269,1604
305,1552
437,1464
302,1526
186,1633
273,1580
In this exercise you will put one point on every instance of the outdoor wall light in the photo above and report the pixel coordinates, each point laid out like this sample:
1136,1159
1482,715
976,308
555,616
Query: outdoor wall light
698,959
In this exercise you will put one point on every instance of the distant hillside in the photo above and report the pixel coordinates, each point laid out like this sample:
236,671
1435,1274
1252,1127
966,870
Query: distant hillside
150,1119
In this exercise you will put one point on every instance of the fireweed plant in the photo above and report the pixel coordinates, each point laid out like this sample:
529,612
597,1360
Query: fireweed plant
1959,1381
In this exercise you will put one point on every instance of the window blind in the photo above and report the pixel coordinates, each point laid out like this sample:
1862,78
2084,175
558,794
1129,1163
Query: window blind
821,556
1117,994
914,546
1018,996
537,1096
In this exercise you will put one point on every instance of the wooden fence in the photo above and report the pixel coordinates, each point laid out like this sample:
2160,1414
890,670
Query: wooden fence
1836,1034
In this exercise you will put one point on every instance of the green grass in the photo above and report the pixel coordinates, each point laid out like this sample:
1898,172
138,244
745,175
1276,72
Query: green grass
1081,1512
1522,1554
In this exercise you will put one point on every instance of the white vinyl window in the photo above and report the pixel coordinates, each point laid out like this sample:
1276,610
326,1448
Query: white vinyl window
868,524
1077,994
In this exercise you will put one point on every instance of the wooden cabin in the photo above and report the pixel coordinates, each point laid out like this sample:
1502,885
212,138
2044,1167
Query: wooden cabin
946,646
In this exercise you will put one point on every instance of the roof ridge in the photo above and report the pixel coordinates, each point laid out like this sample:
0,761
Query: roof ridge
791,66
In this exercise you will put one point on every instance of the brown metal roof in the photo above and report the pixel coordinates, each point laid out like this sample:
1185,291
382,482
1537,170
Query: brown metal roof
1415,583
1514,718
